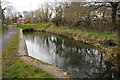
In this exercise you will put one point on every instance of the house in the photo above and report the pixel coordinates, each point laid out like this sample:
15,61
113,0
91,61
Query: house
21,21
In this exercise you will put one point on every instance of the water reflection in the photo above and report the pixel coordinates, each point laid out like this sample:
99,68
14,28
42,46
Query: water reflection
79,61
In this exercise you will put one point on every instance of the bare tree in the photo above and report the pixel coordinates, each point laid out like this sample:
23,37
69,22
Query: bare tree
2,13
114,6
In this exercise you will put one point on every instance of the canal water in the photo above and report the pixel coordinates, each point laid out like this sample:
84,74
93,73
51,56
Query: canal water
72,56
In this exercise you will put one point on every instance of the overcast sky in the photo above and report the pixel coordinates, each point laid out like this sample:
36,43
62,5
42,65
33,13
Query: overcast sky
27,5
24,5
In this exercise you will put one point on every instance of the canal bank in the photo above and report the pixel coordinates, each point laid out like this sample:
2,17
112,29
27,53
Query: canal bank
106,45
57,72
13,67
101,43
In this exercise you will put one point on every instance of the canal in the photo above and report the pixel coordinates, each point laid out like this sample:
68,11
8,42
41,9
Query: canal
65,53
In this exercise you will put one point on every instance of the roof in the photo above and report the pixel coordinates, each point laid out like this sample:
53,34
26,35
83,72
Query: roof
21,18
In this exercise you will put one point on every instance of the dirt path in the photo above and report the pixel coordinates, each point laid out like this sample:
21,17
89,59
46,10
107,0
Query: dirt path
4,39
59,73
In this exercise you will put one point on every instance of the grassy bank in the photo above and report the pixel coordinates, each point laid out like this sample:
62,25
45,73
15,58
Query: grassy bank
35,26
14,67
95,38
3,30
0,31
88,36
104,41
99,39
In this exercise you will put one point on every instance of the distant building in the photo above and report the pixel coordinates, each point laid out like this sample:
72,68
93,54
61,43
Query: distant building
21,21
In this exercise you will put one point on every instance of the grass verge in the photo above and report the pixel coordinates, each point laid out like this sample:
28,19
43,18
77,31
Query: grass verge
14,67
0,31
3,30
73,30
98,39
35,26
95,38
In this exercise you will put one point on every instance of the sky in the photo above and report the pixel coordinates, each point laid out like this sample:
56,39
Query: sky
26,5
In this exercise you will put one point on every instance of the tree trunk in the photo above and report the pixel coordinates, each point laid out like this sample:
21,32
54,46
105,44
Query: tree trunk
89,21
114,10
114,17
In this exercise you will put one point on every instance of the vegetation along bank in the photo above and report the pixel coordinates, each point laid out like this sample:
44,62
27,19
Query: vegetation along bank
14,67
106,42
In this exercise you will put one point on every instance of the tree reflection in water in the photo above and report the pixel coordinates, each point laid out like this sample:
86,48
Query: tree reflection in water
79,61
